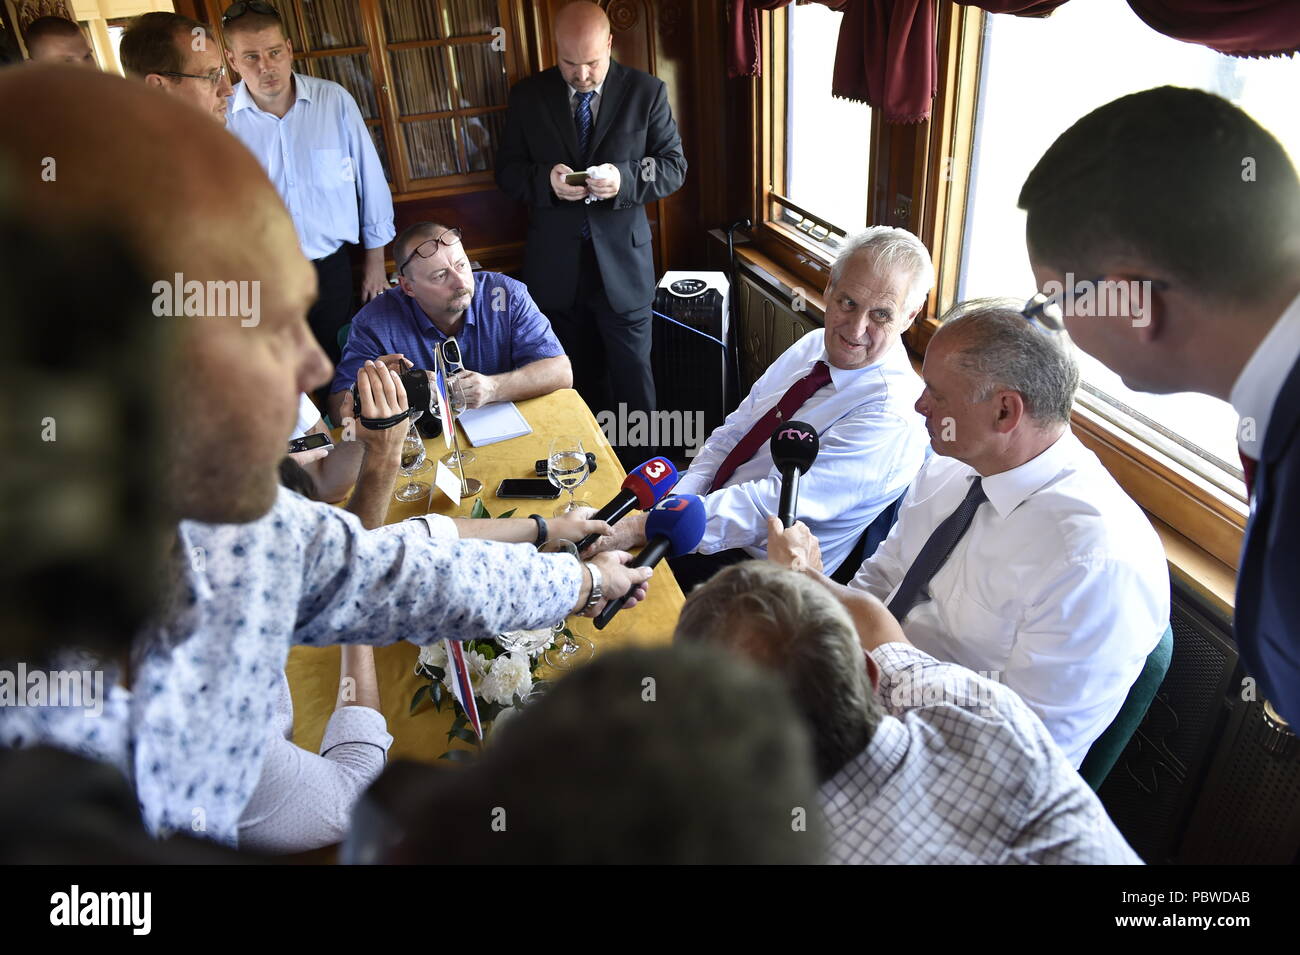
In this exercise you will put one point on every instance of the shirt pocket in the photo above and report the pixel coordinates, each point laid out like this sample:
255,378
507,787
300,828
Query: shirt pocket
982,638
332,169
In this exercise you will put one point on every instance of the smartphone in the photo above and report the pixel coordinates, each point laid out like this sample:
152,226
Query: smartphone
310,442
575,178
539,488
540,468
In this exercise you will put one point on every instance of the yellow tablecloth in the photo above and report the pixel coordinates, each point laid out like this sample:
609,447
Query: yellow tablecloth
314,671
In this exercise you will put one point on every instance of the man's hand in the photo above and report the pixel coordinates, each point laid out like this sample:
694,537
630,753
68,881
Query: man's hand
627,534
477,389
617,579
397,362
382,396
794,547
575,525
561,188
607,186
307,457
373,280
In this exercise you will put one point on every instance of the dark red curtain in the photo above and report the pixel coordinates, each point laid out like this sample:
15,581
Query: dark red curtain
886,56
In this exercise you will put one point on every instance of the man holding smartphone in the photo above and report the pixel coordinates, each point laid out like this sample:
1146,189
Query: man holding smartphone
589,263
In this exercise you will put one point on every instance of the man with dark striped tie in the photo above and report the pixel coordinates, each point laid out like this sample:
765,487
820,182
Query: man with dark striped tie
589,264
1016,554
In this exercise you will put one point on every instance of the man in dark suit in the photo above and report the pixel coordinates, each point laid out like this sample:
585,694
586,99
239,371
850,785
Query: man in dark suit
588,263
1175,219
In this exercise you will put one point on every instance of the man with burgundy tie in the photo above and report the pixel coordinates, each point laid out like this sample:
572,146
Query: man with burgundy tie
1016,554
589,264
854,384
1180,189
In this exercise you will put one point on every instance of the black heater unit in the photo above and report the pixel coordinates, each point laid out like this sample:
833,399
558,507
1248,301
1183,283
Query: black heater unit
690,359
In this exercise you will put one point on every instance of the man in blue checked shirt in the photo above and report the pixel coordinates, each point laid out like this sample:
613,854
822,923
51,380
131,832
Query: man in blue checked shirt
506,343
310,137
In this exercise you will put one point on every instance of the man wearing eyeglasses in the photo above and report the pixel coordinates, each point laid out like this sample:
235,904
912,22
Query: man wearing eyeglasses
1180,192
178,56
309,135
1016,554
505,343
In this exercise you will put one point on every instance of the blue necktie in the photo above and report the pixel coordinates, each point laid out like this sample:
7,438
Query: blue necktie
582,116
936,551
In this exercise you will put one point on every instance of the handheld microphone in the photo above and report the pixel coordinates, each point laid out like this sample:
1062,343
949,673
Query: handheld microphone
674,527
794,448
642,489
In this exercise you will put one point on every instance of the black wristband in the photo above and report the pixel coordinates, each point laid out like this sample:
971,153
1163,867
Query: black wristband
541,530
383,424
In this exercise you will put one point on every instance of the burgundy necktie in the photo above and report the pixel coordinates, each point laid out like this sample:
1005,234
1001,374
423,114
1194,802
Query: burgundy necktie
763,428
1248,469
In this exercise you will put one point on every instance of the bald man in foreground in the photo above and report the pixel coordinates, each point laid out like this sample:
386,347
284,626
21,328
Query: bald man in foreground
589,264
249,568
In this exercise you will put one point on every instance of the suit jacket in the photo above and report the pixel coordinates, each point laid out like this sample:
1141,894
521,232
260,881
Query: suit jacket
635,132
1267,619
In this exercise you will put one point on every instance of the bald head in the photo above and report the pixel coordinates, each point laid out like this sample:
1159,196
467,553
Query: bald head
582,45
192,202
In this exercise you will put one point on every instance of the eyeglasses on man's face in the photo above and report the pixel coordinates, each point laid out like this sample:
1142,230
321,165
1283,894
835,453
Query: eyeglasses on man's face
215,77
237,10
1045,311
430,247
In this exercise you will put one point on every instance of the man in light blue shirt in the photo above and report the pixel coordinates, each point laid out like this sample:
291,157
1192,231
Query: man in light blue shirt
309,135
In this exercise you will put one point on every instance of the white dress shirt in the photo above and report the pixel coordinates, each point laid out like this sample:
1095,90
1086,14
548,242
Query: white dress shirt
872,443
302,800
1059,588
308,417
322,161
960,771
1256,389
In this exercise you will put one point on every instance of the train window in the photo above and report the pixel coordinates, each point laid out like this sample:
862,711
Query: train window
1037,77
827,140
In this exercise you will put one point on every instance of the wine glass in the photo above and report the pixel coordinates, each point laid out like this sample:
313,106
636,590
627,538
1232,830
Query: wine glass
413,462
456,400
573,650
567,468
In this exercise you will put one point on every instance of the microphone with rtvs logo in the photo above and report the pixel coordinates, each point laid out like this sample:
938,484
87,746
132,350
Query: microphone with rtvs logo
794,449
642,489
675,526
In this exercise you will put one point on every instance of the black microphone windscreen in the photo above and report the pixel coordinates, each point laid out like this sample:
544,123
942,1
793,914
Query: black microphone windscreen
794,444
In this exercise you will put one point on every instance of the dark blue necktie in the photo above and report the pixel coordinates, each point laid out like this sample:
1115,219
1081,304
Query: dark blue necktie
582,116
936,551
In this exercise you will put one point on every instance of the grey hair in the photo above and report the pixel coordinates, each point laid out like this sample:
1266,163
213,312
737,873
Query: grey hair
895,252
1001,349
787,622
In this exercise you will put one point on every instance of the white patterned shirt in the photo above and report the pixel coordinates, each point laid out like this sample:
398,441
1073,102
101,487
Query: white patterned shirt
961,771
194,729
872,442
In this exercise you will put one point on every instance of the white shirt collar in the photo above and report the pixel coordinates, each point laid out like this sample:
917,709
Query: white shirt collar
1008,489
1256,390
841,378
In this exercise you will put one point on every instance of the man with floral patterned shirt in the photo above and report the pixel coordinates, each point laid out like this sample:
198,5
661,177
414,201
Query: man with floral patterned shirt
250,568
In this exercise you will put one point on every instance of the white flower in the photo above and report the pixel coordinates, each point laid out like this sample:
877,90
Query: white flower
509,675
434,655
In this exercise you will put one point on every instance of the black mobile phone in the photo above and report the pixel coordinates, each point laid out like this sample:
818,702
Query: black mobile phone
310,442
575,178
528,487
540,467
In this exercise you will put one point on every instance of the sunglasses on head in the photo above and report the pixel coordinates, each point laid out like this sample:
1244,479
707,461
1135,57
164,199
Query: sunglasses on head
237,10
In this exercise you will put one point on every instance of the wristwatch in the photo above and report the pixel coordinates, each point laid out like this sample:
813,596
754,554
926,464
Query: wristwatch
597,595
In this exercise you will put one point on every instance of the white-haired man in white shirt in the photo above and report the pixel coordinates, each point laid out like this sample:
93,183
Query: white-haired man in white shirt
854,384
1016,554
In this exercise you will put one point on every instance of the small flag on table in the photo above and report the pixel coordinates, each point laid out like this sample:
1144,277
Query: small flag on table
444,404
461,687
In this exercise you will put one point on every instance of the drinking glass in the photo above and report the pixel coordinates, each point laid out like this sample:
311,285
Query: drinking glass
456,399
413,462
567,468
573,649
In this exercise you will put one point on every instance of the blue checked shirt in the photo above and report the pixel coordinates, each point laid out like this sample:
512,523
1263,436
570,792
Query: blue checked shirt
503,331
323,163
961,771
193,731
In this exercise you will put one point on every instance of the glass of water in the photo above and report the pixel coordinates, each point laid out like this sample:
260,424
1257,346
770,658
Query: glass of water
413,462
567,468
